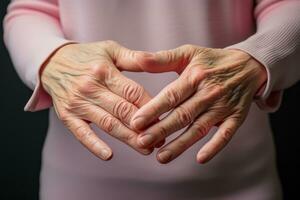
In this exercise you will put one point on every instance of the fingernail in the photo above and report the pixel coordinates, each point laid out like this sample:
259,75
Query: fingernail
146,139
165,156
105,154
202,157
138,123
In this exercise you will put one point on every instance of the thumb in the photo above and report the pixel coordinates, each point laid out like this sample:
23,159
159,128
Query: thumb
168,60
126,59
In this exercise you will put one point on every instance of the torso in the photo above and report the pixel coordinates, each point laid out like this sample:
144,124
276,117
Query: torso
245,169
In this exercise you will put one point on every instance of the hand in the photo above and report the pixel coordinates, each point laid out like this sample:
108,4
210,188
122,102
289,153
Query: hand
85,84
215,88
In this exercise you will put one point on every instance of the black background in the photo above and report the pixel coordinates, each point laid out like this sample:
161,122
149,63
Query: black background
22,135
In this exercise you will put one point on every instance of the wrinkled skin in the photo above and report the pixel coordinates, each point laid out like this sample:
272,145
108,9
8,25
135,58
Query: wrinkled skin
215,88
86,85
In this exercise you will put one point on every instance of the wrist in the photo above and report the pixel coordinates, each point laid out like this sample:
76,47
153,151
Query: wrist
261,74
46,63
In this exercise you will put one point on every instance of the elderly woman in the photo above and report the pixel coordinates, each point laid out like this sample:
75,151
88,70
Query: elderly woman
225,63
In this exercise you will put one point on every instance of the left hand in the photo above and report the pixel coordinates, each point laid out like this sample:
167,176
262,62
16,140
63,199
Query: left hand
215,88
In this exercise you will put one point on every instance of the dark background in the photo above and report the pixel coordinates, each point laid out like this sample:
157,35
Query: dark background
22,135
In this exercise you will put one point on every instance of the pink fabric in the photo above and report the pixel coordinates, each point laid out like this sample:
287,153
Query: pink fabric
262,47
46,40
245,169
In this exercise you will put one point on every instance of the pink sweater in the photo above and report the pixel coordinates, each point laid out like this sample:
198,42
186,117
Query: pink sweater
269,30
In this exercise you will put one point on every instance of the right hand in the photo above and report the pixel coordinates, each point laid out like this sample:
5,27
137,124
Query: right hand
86,85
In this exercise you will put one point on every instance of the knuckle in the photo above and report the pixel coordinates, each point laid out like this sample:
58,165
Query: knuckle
84,134
63,116
226,135
181,144
173,97
183,116
79,108
218,90
110,43
133,92
215,94
201,129
100,69
187,46
144,61
85,85
123,110
189,49
162,132
195,75
107,123
239,116
73,104
86,138
168,55
205,52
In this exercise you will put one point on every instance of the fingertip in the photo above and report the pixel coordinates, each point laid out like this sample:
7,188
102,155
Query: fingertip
105,154
200,161
202,157
147,151
164,156
138,123
110,156
162,162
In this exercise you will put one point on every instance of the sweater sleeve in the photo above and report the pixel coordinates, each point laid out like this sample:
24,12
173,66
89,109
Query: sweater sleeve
32,33
276,45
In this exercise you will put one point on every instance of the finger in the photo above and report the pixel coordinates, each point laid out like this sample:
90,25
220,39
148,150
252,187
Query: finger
171,96
127,88
111,85
194,132
168,60
112,103
114,127
218,141
126,59
88,138
179,118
